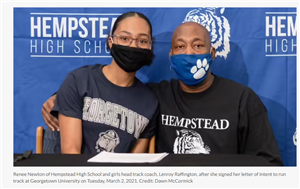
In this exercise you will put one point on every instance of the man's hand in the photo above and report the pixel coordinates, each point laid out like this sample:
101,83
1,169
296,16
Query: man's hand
50,120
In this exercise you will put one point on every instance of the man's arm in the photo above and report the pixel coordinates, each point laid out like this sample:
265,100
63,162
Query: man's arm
50,120
256,135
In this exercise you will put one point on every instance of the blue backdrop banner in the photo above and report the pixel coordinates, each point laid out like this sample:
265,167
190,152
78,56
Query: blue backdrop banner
255,47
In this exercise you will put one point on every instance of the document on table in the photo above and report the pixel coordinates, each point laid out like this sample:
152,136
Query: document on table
107,157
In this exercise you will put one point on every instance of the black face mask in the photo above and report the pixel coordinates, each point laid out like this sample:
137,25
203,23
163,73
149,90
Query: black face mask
131,59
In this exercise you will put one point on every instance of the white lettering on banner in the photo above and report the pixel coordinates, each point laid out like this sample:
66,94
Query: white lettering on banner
93,29
33,46
45,27
35,27
76,43
284,47
65,26
36,46
85,45
271,26
103,27
49,46
280,45
73,25
281,23
98,46
281,30
195,123
93,20
292,28
82,26
60,46
41,46
59,29
98,111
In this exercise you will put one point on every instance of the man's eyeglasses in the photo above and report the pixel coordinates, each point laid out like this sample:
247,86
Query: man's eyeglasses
141,42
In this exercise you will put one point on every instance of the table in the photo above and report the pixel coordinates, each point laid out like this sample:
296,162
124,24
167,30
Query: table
170,160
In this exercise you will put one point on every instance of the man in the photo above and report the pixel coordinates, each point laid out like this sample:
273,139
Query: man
202,113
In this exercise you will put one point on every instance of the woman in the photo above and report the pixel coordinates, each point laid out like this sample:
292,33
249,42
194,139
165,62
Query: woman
106,108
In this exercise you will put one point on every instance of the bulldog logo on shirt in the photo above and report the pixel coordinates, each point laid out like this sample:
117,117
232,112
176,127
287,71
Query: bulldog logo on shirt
107,141
189,142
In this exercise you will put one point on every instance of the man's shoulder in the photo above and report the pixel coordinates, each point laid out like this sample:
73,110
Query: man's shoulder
234,86
230,83
245,91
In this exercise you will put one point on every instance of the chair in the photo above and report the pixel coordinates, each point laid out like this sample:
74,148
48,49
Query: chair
48,141
39,140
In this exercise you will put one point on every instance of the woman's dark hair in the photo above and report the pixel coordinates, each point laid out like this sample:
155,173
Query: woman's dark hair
127,15
131,14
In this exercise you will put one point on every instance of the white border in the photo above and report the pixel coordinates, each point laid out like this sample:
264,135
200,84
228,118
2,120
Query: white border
7,106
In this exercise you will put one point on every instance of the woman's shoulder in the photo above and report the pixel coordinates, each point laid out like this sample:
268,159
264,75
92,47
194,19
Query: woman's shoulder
144,91
81,77
85,70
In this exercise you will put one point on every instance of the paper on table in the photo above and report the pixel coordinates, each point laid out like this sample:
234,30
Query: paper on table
107,157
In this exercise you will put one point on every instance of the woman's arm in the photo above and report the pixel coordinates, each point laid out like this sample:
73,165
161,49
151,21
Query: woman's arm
70,134
141,146
68,109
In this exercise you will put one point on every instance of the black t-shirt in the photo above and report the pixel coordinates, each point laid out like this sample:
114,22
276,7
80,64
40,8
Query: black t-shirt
113,117
227,118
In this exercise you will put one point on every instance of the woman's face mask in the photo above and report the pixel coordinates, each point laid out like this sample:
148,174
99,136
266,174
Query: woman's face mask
131,59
